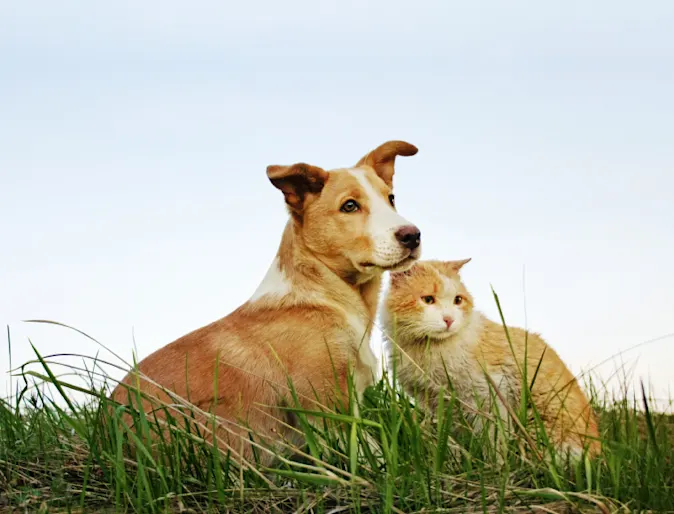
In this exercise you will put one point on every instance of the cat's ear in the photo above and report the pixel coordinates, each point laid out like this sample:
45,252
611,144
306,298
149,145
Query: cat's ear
453,267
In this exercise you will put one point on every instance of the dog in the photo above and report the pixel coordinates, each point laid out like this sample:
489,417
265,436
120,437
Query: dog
309,321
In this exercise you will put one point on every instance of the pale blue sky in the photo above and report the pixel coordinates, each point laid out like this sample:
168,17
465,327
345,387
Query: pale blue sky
134,139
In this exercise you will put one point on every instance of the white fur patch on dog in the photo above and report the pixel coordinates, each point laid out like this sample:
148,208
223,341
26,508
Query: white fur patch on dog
274,283
382,223
366,356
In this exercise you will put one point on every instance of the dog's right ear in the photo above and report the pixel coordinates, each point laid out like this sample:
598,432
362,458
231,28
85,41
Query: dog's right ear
297,182
382,159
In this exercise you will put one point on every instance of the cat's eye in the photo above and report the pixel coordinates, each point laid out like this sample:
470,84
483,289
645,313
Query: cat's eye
392,200
458,300
428,299
349,206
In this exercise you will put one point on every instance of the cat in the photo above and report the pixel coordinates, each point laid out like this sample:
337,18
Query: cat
435,334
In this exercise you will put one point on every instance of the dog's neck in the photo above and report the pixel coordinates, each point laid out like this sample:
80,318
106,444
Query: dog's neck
298,276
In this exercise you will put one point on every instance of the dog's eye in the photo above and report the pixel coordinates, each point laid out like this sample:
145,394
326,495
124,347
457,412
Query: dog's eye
458,300
428,299
392,200
349,206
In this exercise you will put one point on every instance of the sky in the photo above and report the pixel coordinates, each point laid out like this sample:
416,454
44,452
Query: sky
134,139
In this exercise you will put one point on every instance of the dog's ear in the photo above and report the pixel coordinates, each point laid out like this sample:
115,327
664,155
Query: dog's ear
382,158
297,182
453,267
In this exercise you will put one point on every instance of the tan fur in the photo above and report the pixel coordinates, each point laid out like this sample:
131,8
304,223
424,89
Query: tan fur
309,321
429,352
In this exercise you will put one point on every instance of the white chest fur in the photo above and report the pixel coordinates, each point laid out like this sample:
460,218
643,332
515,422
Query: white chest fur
274,284
365,369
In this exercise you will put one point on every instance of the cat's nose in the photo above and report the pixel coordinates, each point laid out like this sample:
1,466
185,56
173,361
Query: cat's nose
448,321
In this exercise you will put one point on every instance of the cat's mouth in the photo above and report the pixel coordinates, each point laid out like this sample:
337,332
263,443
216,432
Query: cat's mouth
446,332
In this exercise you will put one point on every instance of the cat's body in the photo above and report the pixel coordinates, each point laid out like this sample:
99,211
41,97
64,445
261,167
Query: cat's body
439,336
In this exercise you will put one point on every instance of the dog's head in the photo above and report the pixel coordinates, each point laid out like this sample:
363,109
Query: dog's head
347,217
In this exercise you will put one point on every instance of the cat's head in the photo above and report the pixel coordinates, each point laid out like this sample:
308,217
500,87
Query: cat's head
429,300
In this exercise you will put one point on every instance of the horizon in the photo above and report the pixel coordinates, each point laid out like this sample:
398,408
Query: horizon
134,140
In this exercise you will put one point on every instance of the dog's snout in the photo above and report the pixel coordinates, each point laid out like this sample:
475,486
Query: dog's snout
409,236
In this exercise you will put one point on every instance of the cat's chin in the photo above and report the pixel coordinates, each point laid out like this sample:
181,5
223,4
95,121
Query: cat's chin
444,335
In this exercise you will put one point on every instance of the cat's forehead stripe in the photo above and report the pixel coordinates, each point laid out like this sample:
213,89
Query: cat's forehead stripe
447,283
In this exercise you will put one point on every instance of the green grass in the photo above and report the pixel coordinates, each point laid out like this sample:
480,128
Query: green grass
60,455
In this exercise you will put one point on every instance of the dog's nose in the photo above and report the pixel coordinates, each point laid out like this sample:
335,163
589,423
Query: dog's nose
448,321
409,236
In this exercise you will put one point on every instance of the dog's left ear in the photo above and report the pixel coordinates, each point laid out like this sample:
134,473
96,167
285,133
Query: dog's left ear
382,159
297,182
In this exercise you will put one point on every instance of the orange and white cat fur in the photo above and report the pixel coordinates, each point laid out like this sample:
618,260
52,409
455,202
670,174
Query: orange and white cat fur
429,315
